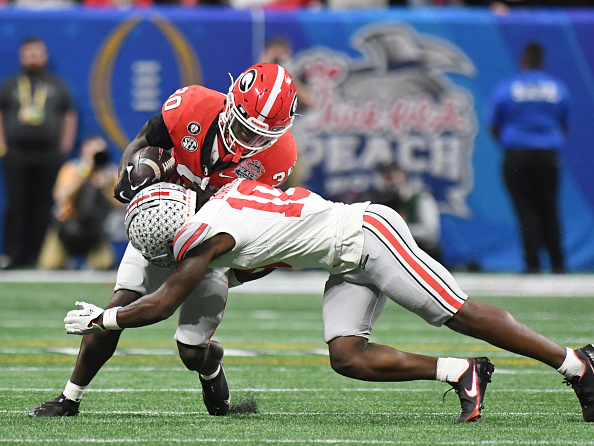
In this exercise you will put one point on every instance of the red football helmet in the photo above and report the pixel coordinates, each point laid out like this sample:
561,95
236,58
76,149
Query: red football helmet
259,109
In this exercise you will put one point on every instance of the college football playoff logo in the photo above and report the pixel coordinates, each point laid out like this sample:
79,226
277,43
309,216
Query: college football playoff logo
189,143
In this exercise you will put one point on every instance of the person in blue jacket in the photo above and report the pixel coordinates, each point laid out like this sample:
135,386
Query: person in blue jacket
529,119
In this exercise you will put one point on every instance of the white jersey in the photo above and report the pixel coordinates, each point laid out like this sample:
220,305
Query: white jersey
296,228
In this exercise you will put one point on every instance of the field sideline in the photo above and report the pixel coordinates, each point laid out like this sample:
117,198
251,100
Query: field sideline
474,284
275,355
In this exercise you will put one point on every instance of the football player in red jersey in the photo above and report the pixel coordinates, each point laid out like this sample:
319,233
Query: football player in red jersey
214,138
218,138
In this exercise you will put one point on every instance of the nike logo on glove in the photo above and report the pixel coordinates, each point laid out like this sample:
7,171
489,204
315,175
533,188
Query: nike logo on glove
140,185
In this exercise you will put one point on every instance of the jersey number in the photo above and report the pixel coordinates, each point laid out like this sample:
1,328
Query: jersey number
289,207
174,100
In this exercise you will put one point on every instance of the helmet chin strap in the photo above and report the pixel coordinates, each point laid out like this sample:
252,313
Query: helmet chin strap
233,157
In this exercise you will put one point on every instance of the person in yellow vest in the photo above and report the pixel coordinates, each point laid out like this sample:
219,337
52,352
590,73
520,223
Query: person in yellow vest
38,128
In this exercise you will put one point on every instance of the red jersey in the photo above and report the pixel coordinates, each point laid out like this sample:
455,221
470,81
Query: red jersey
191,116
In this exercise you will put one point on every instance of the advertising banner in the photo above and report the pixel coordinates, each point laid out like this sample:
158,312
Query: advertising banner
410,86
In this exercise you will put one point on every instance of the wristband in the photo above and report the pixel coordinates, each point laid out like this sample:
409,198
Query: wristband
109,318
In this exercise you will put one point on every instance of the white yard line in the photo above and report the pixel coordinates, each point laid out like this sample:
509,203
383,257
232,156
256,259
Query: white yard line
292,441
312,282
561,389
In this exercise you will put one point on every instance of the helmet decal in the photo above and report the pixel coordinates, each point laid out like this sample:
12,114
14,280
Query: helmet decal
293,107
259,109
247,81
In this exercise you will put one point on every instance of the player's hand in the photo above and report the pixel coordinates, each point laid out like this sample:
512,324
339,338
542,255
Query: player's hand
82,322
123,190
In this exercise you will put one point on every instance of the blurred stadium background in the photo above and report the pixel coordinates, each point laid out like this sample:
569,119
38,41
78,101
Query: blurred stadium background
400,84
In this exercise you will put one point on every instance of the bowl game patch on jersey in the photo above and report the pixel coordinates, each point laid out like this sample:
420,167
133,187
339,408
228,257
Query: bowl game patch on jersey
250,169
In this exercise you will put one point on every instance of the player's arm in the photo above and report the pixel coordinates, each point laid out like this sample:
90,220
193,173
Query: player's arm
153,133
239,276
159,305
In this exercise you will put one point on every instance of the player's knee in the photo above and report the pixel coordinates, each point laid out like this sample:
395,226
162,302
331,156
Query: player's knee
345,356
193,357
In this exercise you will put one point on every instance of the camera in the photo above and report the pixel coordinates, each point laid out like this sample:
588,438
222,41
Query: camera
100,159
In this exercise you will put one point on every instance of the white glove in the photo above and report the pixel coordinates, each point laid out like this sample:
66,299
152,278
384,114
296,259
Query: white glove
80,322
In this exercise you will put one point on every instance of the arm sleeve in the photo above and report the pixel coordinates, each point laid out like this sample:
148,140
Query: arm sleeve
157,133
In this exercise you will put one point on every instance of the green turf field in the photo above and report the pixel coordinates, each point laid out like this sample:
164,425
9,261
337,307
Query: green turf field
276,355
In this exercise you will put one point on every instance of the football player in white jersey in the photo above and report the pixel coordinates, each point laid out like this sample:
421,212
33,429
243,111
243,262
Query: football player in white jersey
214,138
371,257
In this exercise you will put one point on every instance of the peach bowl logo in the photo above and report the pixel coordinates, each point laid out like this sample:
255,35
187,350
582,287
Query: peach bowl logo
395,104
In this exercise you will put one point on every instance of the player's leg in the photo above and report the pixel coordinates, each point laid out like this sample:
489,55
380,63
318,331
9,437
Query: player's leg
357,358
350,311
394,267
135,278
95,350
199,317
499,328
414,280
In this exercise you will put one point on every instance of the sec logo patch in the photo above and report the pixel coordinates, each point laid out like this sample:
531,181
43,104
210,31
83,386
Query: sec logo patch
193,128
189,143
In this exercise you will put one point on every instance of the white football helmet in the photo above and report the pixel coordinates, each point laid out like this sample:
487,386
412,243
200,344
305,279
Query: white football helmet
154,216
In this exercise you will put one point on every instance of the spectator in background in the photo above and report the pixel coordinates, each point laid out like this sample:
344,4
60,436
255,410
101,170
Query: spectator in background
83,194
415,204
122,4
38,126
529,118
503,7
39,5
279,50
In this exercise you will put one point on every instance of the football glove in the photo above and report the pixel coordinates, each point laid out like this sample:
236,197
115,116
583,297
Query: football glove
82,322
124,191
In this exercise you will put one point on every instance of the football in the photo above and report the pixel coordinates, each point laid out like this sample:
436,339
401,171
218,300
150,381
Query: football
150,163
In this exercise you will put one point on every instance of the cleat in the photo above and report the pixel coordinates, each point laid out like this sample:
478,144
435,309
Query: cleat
471,388
215,393
60,407
583,385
